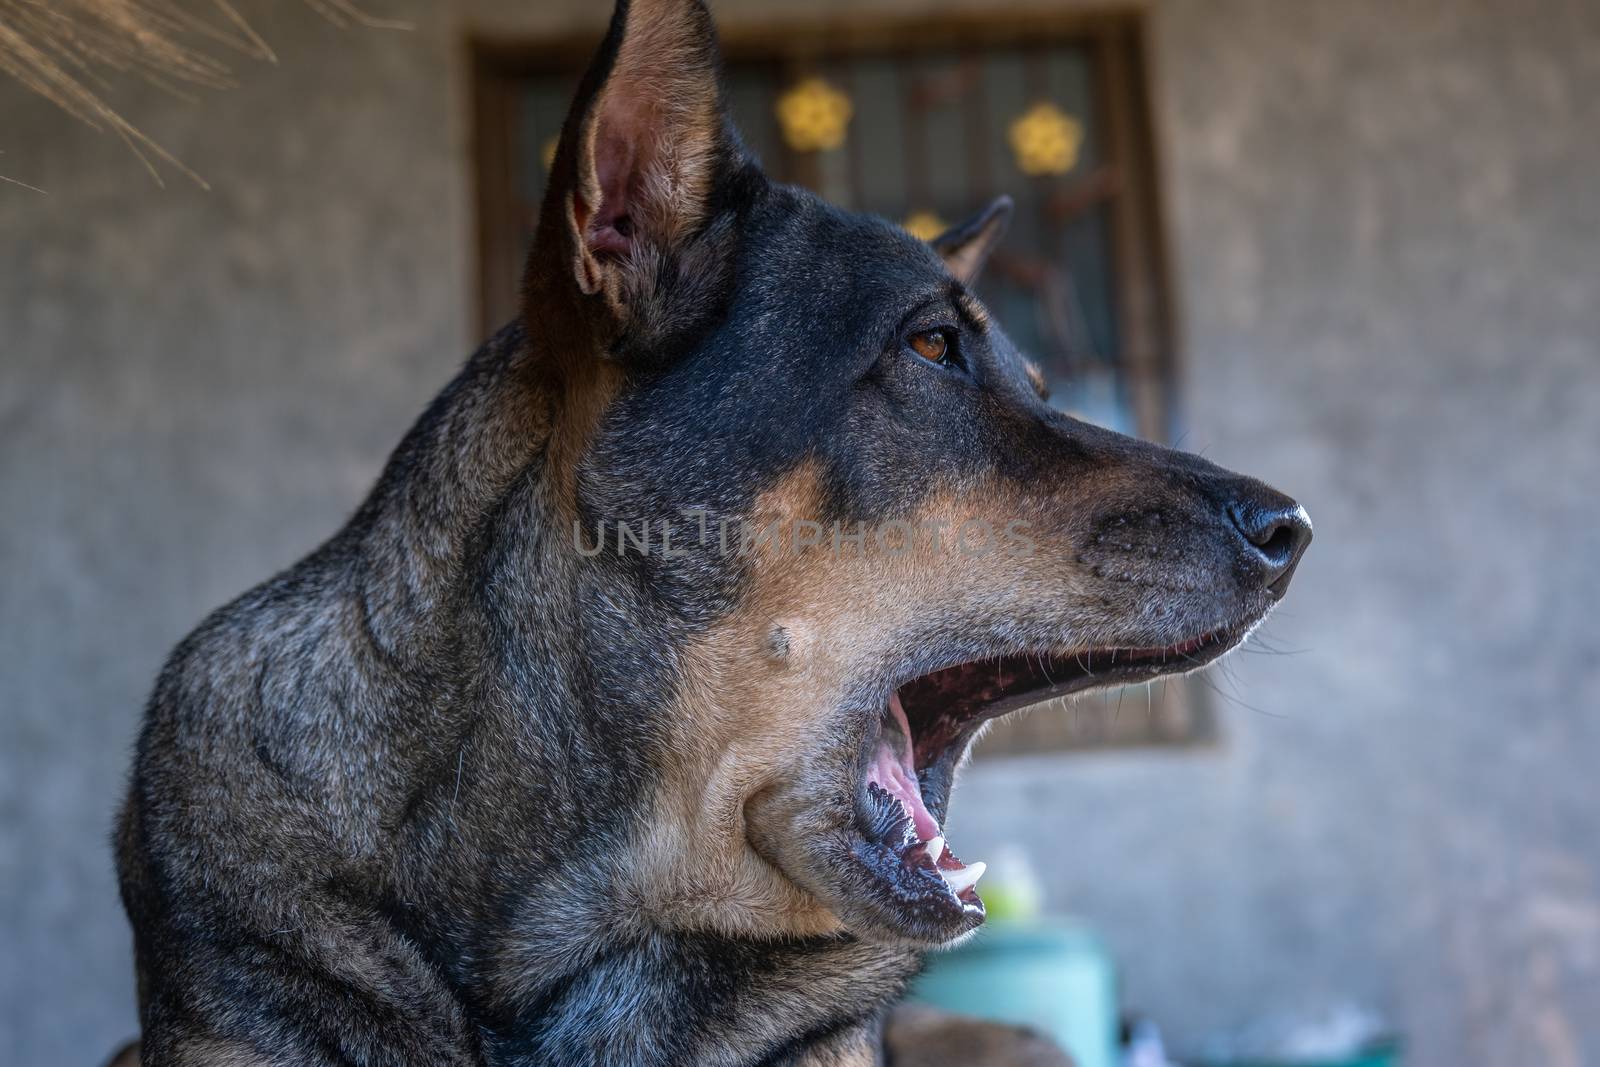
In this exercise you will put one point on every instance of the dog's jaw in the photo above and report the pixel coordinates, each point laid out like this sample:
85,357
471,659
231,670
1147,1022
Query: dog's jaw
898,880
908,832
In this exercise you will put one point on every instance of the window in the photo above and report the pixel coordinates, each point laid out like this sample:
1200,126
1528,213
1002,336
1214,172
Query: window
924,123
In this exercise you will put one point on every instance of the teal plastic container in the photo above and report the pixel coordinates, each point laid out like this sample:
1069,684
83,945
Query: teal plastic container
1055,977
1384,1055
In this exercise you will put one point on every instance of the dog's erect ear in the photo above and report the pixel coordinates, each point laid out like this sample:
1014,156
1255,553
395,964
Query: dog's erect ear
642,146
965,248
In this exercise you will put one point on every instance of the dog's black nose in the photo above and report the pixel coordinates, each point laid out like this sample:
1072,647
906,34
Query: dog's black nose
1274,531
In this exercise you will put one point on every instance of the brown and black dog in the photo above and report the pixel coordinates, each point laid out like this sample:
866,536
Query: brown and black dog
617,726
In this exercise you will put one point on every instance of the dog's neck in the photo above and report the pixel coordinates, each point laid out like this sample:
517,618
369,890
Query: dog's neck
520,877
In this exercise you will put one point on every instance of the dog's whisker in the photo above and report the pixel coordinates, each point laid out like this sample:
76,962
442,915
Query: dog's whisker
1233,699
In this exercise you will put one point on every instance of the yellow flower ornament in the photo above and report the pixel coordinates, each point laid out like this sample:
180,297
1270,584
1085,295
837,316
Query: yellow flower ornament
924,225
1045,140
814,116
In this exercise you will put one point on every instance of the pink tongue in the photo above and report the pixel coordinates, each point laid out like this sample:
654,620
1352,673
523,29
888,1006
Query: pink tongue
892,769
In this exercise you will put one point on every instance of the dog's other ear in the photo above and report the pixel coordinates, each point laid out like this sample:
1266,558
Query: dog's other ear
965,248
641,150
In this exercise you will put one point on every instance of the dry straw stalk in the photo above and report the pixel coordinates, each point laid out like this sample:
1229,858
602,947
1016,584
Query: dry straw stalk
72,51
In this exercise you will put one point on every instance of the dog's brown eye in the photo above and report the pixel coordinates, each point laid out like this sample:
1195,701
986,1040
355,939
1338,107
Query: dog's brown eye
931,345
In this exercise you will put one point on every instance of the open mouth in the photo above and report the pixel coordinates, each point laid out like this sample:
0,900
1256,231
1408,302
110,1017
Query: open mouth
926,727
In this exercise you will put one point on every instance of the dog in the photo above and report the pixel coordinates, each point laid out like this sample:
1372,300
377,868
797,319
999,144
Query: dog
618,725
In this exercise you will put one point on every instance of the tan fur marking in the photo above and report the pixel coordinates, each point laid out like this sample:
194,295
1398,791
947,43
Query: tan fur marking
585,394
1036,379
974,309
747,722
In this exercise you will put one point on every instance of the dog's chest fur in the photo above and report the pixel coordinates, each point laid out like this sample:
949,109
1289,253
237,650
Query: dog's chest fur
707,1000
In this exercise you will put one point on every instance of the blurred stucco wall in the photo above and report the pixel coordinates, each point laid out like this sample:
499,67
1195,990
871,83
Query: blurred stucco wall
1388,236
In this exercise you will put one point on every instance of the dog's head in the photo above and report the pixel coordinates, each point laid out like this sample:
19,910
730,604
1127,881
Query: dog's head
860,533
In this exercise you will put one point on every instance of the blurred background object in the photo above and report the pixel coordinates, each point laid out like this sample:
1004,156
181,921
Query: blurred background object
1349,246
1052,976
1343,1035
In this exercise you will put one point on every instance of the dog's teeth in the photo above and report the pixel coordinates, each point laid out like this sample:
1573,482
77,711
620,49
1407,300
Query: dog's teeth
964,879
935,847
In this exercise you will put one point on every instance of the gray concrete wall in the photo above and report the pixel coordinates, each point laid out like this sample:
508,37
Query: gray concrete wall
1388,228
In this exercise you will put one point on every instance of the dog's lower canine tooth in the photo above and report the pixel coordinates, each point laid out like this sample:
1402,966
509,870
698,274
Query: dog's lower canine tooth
964,879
